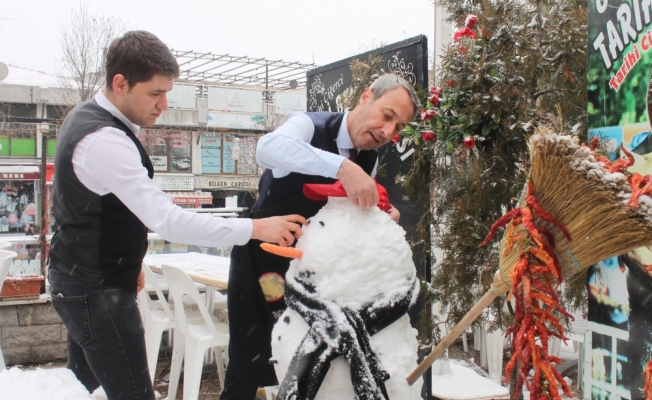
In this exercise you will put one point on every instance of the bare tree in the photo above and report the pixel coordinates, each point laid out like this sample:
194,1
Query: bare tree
84,42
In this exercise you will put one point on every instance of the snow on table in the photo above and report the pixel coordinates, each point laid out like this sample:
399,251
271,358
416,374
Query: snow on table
464,383
203,268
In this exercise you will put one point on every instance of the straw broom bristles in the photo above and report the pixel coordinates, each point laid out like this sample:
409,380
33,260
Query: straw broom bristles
590,202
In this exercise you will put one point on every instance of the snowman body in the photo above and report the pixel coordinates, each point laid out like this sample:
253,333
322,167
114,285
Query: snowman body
352,256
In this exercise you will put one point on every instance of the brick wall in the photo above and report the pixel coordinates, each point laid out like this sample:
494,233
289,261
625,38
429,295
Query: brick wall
31,333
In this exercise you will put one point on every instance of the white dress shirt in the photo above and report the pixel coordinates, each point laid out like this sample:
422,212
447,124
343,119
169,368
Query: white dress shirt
107,161
288,149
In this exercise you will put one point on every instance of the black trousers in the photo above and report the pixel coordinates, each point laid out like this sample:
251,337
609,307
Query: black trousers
237,385
106,338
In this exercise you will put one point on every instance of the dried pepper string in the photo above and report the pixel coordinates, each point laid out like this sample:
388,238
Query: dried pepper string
532,279
647,389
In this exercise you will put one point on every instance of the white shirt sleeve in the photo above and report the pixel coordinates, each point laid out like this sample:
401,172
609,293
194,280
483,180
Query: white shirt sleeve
107,161
288,149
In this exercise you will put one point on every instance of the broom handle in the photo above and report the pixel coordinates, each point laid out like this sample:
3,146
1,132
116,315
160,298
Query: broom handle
452,336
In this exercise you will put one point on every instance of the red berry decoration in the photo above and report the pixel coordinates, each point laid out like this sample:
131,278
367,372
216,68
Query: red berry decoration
396,138
469,142
427,114
427,136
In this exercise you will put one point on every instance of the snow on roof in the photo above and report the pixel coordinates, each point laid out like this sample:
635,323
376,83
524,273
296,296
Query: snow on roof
29,77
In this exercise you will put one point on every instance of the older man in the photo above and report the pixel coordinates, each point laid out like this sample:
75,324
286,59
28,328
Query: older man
318,147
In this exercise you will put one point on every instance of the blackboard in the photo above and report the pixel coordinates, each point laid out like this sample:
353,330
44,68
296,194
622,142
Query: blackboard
325,86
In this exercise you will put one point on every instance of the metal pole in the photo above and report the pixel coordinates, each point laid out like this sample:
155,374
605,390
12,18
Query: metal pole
44,206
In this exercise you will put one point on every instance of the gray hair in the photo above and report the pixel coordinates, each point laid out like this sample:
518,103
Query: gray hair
388,82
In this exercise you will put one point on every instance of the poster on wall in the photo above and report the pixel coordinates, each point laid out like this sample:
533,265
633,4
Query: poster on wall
228,161
180,153
247,161
620,61
18,211
211,153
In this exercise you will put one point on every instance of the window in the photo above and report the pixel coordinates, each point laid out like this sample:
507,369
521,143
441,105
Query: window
17,138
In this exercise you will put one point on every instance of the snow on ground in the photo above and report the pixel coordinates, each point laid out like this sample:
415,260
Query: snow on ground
54,384
45,383
464,383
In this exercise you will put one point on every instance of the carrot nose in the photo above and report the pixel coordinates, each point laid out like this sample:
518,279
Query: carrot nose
289,252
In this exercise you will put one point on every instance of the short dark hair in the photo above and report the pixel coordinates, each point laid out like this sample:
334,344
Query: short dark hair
138,56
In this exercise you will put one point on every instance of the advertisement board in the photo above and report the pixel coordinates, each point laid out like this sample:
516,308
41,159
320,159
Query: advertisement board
619,342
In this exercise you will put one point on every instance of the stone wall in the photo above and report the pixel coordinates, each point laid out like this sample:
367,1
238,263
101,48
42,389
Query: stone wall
31,333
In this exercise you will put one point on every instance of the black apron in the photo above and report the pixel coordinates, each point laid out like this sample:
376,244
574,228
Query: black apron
252,315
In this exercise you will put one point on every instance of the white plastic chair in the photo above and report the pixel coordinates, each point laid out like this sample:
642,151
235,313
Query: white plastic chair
6,257
200,335
157,318
271,392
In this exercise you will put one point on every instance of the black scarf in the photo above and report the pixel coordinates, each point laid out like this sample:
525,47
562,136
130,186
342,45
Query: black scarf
337,330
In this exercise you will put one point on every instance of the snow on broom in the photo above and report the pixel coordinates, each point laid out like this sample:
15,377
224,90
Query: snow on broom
578,208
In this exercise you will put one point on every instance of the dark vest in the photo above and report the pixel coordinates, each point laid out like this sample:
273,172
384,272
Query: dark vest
99,239
251,315
274,191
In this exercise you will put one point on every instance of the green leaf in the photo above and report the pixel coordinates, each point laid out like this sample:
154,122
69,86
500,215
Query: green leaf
486,130
449,147
416,140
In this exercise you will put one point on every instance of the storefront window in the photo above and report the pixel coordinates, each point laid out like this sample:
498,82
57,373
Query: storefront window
54,113
18,211
17,139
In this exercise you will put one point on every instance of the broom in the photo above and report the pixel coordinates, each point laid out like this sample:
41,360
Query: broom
571,194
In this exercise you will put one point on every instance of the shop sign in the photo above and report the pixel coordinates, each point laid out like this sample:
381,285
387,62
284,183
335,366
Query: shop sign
20,176
229,182
167,182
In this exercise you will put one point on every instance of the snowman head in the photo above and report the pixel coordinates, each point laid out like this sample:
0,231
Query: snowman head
350,254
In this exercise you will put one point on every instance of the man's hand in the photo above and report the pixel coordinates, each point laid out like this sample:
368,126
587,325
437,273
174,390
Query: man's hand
282,230
140,281
359,186
394,214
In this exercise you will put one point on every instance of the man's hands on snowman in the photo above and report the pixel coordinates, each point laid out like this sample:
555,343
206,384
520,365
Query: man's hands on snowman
282,230
361,188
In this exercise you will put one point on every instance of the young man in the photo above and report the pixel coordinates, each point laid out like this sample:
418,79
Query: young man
104,201
309,148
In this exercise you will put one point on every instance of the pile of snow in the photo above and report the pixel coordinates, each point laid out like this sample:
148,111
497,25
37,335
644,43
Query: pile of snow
45,383
52,384
464,383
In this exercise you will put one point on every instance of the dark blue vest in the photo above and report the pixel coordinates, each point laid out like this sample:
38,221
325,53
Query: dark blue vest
99,238
274,191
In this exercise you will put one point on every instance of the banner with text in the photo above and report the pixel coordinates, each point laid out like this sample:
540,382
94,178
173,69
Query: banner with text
620,59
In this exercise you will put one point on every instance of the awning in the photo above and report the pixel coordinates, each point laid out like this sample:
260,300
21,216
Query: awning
19,172
191,197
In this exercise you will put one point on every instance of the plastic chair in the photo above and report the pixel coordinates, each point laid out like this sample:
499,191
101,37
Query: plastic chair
271,392
6,257
200,335
157,317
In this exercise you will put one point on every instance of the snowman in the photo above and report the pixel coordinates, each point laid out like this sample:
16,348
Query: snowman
346,333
